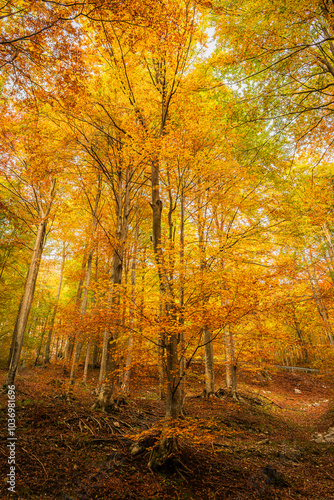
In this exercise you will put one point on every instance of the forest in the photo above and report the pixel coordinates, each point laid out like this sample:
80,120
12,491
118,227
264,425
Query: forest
167,249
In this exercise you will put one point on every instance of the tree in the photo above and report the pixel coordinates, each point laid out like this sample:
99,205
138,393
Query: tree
282,57
30,176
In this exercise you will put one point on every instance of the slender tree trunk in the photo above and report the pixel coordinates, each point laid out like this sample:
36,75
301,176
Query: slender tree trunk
228,364
87,359
209,366
14,334
108,364
207,335
129,356
83,308
183,361
24,357
161,345
89,345
48,342
41,342
57,349
156,239
233,366
105,398
167,446
27,299
169,341
96,355
71,339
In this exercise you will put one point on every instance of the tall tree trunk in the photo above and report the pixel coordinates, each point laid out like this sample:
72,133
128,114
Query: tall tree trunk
89,345
87,359
105,398
83,308
14,334
233,366
71,339
207,334
48,342
183,361
27,299
41,342
168,340
209,365
161,345
228,363
128,362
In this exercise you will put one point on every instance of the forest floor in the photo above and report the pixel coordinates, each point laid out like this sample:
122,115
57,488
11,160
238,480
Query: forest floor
234,450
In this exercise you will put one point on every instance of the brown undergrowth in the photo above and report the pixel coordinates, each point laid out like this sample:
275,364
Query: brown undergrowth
228,449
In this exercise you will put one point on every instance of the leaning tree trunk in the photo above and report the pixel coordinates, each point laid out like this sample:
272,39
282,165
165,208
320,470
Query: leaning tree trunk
27,299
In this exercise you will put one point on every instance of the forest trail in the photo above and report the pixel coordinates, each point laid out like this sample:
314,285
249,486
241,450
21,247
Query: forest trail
229,450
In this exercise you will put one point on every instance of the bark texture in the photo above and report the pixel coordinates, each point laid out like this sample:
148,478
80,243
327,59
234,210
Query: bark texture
27,299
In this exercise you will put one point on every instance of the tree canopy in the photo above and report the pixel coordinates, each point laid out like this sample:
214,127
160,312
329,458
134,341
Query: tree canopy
166,189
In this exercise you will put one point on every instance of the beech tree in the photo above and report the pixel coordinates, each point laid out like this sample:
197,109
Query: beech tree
37,196
186,226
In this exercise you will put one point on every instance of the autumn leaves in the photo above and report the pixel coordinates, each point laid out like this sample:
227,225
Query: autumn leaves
185,230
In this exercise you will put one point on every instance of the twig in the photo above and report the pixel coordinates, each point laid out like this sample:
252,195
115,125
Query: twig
316,463
273,402
32,454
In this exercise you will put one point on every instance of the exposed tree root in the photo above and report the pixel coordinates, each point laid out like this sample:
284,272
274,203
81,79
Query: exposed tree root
164,456
228,393
232,395
145,443
221,393
105,400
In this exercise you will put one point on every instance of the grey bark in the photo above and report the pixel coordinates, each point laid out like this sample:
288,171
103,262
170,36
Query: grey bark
54,313
83,308
207,334
128,362
27,299
228,365
183,361
106,387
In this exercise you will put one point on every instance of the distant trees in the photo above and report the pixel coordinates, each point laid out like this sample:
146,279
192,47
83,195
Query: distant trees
178,229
